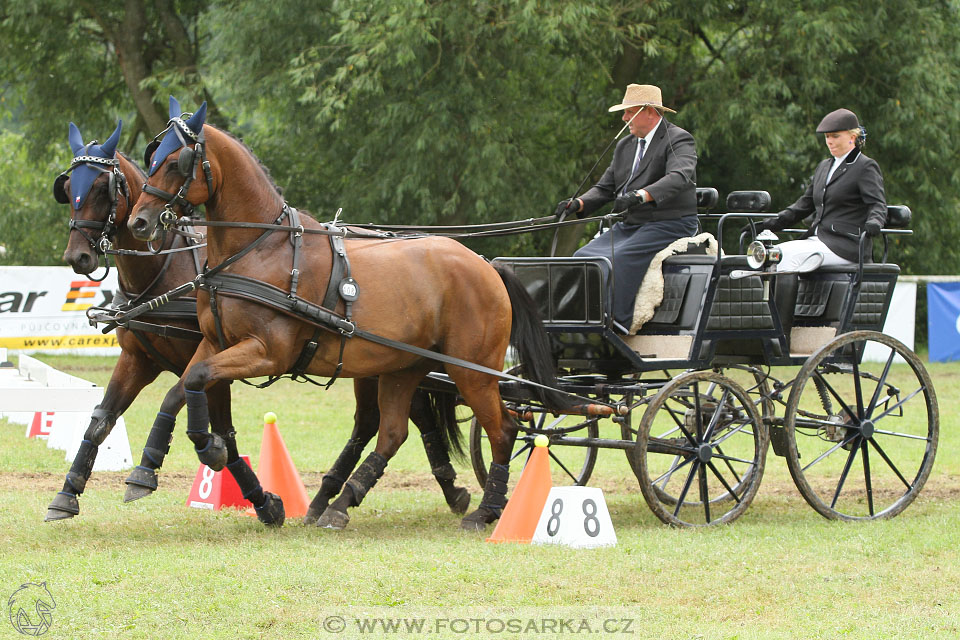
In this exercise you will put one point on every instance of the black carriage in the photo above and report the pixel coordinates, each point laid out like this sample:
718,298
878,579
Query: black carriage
701,390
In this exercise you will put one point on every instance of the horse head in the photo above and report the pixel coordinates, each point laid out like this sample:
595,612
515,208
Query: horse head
173,162
96,186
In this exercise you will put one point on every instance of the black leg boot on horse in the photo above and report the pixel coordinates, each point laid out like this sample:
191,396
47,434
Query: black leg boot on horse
142,481
334,479
65,504
493,502
431,413
269,506
458,498
210,447
354,491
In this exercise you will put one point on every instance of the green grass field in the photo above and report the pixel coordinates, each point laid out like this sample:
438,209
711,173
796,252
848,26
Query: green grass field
158,569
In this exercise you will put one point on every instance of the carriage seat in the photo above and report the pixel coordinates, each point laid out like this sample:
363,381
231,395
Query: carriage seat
663,290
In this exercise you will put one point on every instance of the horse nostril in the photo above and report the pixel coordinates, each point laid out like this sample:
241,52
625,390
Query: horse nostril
139,224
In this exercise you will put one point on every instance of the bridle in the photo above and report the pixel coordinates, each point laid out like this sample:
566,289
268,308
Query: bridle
116,185
187,163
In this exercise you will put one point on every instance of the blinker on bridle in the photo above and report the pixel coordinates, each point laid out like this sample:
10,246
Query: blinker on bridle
187,162
116,184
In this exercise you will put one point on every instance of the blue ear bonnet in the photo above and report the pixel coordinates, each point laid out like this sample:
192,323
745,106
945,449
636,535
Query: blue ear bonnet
90,160
179,133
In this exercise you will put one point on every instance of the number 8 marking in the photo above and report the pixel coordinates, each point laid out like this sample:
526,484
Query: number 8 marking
553,524
591,514
206,485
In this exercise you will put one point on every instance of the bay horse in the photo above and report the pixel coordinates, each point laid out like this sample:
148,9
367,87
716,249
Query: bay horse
430,295
107,183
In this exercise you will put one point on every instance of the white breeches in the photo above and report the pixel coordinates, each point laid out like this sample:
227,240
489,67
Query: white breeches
809,252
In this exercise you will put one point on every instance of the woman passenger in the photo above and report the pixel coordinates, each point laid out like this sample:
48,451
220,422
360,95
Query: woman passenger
845,199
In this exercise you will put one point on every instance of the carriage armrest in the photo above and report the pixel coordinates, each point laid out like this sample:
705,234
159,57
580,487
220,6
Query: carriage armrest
707,198
899,216
748,201
869,268
690,259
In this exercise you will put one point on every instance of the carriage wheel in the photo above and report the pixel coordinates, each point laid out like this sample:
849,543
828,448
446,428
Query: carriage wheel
861,432
570,465
701,450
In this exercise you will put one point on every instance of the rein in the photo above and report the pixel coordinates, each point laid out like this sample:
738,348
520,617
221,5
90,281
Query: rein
401,232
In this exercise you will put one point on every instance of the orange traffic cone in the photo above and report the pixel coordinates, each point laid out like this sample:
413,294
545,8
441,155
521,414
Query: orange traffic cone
519,519
277,473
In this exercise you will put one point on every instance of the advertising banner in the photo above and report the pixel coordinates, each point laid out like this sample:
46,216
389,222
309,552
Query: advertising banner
943,320
42,309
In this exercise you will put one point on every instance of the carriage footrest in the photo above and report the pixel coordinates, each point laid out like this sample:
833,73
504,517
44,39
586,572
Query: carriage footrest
778,438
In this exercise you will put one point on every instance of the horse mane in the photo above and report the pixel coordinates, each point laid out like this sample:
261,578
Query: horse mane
141,174
263,167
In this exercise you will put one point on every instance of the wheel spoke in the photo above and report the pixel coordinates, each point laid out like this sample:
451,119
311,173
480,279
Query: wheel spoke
829,451
733,432
836,395
516,454
686,487
890,464
665,477
865,451
732,458
880,382
898,405
902,435
715,418
669,473
562,466
689,436
726,486
704,495
857,386
727,459
843,475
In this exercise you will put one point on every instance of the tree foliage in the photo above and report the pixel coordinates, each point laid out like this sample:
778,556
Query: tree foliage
443,112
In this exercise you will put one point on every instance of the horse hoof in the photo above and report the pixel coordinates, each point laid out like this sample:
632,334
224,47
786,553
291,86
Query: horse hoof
333,519
460,500
312,516
214,455
478,520
64,506
271,512
135,492
141,483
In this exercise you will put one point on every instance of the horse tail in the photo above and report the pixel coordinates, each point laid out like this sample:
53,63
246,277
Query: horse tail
530,340
443,409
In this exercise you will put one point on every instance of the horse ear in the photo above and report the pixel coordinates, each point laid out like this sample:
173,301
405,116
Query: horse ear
109,148
175,109
76,140
197,119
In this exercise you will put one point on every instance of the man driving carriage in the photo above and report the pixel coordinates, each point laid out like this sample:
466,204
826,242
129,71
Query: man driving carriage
652,180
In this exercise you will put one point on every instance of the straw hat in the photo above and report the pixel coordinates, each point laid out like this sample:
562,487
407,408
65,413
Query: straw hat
641,95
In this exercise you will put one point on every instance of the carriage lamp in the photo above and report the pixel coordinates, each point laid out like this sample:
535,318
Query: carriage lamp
762,253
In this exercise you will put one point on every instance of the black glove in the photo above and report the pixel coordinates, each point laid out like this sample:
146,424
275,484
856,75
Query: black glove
770,224
873,228
568,206
627,200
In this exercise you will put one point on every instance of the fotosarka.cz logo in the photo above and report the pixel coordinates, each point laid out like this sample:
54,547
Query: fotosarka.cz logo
31,609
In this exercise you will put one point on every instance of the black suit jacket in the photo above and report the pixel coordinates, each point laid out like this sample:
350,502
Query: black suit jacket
841,208
667,171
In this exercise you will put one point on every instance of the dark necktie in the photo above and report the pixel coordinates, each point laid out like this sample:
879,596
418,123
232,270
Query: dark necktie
636,161
636,165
